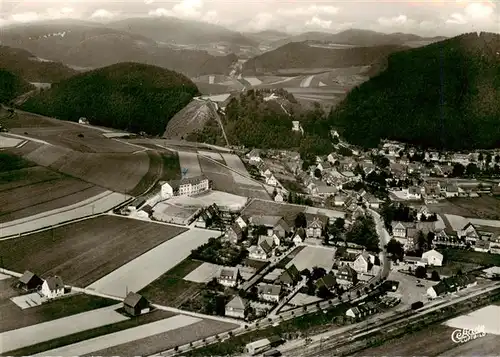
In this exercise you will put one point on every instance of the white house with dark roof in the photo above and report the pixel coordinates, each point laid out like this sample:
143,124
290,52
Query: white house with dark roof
237,307
257,252
270,292
53,287
228,276
185,187
254,156
434,258
363,263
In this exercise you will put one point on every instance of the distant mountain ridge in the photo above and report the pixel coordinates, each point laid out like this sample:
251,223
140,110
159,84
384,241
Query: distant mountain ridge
92,45
178,31
301,55
127,96
443,95
31,68
356,37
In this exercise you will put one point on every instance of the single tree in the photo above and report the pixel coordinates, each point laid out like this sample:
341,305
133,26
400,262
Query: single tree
420,272
435,276
300,220
396,249
317,173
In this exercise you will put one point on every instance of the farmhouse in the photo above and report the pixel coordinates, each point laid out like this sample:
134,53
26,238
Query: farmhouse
326,191
260,252
242,222
237,307
272,241
340,199
434,258
290,276
270,292
209,216
315,225
414,193
299,236
363,263
451,284
254,156
29,281
347,276
278,197
274,224
228,276
328,281
53,287
83,120
135,304
362,310
185,187
234,233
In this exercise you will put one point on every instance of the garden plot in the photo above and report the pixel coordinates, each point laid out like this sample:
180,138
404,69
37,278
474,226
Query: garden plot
26,336
310,257
331,214
143,270
234,162
189,161
488,316
204,273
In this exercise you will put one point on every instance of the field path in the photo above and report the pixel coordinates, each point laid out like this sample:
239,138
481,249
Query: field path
121,337
306,82
26,336
140,272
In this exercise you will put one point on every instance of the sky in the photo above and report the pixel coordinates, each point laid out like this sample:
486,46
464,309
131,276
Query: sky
422,17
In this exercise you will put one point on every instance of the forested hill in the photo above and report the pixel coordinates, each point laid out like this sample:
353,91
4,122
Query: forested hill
127,96
444,95
11,86
255,121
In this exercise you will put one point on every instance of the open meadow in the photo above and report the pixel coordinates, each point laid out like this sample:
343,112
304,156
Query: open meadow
310,257
85,251
189,161
483,207
271,208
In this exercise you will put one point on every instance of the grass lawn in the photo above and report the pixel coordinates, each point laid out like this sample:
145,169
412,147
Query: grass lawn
466,256
88,334
313,323
171,289
484,207
282,264
13,317
11,162
85,251
451,268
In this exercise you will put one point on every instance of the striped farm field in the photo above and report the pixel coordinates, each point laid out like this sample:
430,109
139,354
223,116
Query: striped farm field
85,251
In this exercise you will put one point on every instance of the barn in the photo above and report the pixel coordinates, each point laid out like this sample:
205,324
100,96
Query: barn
135,304
29,281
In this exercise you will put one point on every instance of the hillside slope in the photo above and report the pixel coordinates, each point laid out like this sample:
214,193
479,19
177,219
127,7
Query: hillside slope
443,95
357,37
31,68
92,45
301,55
179,31
11,86
130,96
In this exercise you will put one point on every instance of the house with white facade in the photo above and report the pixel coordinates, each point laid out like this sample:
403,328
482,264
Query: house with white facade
228,276
254,156
259,252
363,263
53,287
434,258
269,292
185,187
237,307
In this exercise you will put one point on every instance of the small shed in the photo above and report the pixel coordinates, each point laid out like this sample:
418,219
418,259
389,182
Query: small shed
29,281
135,304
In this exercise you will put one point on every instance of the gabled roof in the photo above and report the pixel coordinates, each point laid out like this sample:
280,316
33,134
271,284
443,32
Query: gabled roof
316,219
291,274
432,252
54,283
132,299
237,303
228,272
27,277
235,227
270,289
254,153
266,247
347,270
301,233
267,221
328,281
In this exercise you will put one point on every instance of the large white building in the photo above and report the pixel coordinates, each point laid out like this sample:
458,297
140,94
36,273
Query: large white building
185,187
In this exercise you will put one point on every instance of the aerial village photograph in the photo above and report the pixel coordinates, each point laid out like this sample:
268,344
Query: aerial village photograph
250,178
